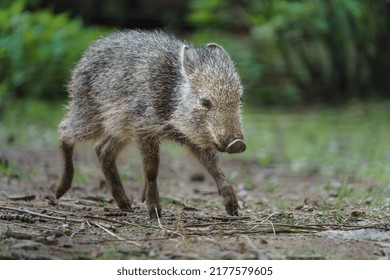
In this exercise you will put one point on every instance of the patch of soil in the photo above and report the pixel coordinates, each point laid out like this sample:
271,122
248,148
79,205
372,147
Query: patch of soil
283,215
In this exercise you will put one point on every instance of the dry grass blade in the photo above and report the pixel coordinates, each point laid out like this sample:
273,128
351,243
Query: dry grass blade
22,198
205,225
158,218
168,230
349,227
266,219
226,219
273,228
124,223
115,235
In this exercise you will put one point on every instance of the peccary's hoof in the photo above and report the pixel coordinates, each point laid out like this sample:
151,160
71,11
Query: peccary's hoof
232,208
126,207
232,211
62,189
51,200
155,212
236,146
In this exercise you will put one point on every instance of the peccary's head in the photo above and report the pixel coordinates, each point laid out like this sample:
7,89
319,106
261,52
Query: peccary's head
211,99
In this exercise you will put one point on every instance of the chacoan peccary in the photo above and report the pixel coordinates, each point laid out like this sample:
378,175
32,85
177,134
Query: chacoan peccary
146,87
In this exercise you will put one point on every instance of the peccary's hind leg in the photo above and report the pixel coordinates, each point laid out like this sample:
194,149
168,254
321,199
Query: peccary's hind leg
78,125
150,158
65,181
107,150
209,160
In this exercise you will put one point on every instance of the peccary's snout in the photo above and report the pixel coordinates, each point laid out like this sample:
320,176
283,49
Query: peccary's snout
236,146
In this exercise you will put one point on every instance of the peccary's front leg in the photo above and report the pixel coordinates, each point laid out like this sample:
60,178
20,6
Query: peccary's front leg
107,150
150,157
209,160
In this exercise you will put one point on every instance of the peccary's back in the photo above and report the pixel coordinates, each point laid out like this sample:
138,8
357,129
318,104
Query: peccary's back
134,72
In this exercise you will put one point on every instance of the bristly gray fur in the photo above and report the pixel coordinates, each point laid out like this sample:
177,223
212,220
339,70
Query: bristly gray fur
146,87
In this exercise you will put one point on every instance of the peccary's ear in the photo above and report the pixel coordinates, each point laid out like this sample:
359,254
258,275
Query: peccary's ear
214,46
187,58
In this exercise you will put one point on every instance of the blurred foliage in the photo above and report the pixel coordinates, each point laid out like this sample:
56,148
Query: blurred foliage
37,50
291,51
287,51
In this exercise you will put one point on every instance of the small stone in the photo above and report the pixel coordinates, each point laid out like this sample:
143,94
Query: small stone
357,213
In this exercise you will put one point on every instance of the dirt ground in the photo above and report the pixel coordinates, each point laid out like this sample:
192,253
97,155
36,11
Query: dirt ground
283,215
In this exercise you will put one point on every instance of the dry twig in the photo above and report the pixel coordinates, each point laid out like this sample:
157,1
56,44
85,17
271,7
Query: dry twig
23,198
43,215
115,235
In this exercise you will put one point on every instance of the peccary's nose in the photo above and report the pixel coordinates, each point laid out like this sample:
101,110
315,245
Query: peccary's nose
236,146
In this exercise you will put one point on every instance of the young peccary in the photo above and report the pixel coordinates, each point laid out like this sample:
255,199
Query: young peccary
146,87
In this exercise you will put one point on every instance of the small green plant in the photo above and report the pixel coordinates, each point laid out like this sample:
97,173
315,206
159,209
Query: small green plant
271,184
345,192
7,169
338,217
79,176
101,199
287,217
169,201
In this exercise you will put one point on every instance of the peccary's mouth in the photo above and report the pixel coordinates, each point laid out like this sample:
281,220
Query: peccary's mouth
219,148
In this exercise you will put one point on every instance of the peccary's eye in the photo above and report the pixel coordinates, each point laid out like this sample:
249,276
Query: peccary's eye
205,103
